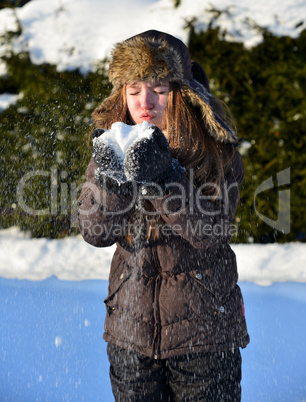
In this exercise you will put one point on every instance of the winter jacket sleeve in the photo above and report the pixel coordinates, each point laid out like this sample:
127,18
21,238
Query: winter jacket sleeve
101,214
198,219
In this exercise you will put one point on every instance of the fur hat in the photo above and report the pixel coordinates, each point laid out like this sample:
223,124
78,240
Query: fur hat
157,56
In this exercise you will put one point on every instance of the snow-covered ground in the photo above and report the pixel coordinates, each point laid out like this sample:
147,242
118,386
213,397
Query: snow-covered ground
51,346
52,291
38,259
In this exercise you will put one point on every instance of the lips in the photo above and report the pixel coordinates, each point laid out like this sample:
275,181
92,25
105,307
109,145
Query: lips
146,116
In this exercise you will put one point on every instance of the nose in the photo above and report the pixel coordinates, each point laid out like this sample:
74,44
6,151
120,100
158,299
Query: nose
146,101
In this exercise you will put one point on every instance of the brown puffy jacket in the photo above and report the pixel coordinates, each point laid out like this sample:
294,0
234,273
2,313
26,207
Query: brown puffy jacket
179,293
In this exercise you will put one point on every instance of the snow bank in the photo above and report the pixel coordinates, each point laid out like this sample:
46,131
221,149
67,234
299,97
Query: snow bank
36,259
265,264
73,259
79,33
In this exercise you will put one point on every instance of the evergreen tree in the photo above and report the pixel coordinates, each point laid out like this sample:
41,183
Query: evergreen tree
44,153
264,88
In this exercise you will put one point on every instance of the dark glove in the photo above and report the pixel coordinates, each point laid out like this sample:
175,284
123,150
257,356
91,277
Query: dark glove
150,160
105,157
110,172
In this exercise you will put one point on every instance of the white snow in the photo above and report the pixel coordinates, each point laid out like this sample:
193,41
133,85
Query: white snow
265,264
6,100
121,136
80,33
73,259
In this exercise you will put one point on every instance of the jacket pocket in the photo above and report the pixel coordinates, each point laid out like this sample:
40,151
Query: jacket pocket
203,299
116,283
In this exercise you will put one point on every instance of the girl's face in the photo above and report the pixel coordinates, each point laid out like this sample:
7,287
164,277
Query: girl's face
148,102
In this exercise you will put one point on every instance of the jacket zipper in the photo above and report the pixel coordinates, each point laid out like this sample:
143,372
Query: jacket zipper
157,329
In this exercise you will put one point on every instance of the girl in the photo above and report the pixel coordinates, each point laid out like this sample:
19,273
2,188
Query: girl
175,316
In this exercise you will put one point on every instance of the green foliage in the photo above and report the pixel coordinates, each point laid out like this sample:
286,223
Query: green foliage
264,87
12,3
43,153
44,149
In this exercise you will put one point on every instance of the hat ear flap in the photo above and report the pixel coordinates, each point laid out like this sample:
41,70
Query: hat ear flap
214,125
199,74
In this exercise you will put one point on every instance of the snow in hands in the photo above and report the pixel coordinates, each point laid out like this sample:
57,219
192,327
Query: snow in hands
121,136
109,149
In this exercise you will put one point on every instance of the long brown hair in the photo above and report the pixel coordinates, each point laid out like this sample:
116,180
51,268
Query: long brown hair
203,158
112,109
192,146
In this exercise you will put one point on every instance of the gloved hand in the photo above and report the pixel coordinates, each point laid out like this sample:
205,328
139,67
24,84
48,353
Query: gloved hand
110,172
105,157
150,160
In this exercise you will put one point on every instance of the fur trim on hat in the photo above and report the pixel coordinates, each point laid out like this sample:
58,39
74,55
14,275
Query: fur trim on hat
198,96
139,59
148,57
